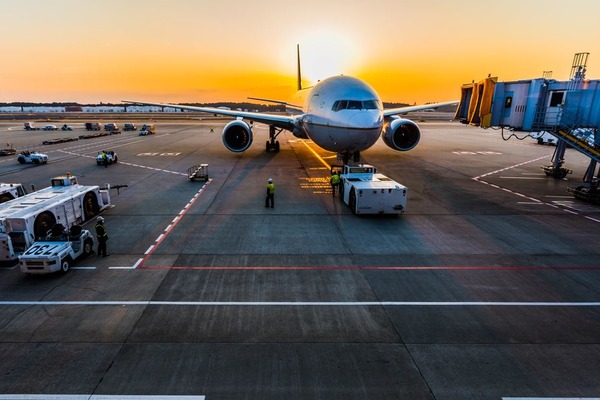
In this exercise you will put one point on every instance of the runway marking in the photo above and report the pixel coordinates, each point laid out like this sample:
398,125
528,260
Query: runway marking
307,303
521,177
126,163
562,206
169,228
511,167
316,155
95,397
377,268
551,398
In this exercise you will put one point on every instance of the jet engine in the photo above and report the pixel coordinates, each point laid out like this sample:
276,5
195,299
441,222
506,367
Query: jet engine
237,136
401,134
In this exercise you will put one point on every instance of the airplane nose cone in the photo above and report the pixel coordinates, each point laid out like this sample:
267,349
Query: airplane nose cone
365,120
364,128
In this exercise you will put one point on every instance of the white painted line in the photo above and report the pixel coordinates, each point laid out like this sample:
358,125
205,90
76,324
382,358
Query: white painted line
137,262
94,397
519,177
537,203
149,250
551,398
593,219
159,238
122,267
168,228
307,303
559,197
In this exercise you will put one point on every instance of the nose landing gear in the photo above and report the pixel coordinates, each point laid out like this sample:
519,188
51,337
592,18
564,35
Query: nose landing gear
345,157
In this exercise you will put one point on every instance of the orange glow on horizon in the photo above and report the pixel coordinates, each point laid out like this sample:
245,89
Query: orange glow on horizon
194,52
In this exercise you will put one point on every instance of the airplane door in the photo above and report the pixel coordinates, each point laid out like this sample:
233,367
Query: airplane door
555,102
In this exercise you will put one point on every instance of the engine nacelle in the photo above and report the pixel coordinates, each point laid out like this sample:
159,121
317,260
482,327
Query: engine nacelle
237,136
401,134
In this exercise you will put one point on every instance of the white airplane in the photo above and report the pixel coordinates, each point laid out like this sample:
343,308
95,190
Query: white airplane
340,114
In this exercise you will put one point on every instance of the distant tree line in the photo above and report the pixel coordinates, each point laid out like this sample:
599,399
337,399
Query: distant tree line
231,105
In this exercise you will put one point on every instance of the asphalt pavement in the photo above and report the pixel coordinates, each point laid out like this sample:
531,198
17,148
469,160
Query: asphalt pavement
487,287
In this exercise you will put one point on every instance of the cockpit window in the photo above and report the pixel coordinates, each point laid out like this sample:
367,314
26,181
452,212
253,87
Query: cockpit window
372,105
356,105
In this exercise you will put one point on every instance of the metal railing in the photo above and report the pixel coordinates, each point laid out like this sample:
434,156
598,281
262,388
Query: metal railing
572,128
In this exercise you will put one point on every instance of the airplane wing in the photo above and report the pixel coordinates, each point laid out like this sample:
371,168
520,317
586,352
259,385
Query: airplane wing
403,110
281,121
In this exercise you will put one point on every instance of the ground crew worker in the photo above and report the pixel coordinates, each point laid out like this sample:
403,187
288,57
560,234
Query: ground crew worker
102,237
335,181
105,158
270,194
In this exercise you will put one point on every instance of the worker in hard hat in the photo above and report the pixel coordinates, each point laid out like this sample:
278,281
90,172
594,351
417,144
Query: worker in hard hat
102,236
270,194
335,182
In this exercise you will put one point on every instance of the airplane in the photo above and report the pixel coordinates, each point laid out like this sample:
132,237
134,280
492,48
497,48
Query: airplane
341,114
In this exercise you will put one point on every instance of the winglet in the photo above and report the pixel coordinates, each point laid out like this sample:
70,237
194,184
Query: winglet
299,72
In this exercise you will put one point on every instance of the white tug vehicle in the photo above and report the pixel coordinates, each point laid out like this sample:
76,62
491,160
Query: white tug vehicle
32,157
367,192
57,251
27,219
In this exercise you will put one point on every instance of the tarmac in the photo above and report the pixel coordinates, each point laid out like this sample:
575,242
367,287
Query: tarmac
487,287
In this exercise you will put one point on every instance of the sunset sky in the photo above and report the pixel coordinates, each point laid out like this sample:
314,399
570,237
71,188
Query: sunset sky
214,50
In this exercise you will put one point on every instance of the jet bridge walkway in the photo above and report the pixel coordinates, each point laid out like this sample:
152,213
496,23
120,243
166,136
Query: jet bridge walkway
569,110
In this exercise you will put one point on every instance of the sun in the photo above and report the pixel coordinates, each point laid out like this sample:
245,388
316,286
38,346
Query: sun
324,54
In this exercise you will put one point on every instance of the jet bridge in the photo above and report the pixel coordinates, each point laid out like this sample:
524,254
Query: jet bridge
569,110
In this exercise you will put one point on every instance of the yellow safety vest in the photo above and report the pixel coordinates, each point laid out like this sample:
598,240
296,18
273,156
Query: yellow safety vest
271,188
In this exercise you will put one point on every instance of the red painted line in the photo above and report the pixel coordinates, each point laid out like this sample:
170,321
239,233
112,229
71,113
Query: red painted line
170,228
377,268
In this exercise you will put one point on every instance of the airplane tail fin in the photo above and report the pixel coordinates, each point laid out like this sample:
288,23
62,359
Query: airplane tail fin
299,72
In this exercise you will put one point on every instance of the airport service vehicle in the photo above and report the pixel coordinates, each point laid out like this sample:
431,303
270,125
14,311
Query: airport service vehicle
544,137
30,126
340,114
9,191
8,151
66,127
92,126
129,127
198,172
32,157
111,127
147,129
57,251
27,218
111,157
50,128
367,192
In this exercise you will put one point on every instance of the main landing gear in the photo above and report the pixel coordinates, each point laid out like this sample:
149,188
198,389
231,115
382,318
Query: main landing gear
273,144
345,157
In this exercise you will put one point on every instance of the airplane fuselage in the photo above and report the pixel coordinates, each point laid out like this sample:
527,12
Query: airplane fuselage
340,114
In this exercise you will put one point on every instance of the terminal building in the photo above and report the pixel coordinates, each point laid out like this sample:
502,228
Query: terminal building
569,110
